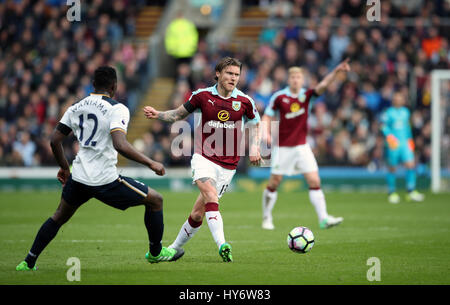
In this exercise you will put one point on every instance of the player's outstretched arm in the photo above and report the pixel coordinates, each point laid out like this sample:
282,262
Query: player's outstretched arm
329,78
128,151
58,136
167,116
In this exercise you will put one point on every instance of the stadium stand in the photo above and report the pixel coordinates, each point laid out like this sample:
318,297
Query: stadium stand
392,55
46,63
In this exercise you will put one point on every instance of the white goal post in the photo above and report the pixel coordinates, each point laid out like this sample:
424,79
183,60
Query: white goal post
437,116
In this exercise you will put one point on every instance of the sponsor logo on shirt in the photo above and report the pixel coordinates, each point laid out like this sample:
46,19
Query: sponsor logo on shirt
223,115
296,110
295,107
216,124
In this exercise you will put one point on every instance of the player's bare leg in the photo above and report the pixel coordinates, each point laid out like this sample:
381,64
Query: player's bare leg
46,233
191,225
317,198
207,188
269,199
413,194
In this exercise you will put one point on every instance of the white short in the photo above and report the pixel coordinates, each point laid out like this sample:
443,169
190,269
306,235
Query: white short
293,160
203,168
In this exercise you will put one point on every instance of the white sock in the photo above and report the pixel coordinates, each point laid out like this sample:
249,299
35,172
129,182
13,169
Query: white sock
317,199
268,202
187,231
215,222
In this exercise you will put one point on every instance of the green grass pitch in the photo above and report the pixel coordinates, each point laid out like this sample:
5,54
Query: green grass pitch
411,240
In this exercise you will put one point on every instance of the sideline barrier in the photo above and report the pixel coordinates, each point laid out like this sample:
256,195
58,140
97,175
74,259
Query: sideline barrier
342,179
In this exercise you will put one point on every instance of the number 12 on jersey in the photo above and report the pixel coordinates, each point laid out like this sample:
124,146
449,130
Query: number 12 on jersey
89,141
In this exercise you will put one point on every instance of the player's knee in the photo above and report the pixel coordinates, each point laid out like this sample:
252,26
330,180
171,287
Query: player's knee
210,196
60,218
197,216
156,201
314,182
63,213
57,217
274,182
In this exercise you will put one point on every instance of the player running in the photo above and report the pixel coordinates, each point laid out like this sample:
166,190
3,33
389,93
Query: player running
223,109
293,154
100,125
399,148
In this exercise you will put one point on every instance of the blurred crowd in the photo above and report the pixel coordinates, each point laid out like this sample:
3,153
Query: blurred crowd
45,63
391,55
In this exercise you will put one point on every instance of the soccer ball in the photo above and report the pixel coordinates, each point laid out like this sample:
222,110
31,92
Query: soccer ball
300,240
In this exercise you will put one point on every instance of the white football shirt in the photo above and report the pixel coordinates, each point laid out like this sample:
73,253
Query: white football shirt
92,120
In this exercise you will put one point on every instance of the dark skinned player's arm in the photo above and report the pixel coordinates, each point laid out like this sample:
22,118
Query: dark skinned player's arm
59,134
127,150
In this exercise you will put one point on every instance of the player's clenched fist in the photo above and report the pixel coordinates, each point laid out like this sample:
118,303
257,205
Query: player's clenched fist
255,156
150,112
63,176
344,66
158,168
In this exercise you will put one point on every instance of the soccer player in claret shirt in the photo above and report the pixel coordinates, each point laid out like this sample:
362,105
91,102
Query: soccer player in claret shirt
293,155
223,109
399,148
100,125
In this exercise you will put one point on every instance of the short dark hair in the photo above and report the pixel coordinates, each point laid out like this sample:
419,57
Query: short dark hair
104,77
225,62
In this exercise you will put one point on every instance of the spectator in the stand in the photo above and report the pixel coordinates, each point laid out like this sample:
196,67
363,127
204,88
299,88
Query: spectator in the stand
39,79
280,8
432,44
181,39
384,57
25,148
338,44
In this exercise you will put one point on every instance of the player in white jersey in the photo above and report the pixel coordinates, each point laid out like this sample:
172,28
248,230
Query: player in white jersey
100,125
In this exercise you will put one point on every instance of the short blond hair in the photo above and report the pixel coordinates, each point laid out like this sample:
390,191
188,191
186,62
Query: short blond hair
296,70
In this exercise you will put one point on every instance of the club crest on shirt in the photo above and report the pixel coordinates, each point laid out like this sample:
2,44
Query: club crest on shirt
302,97
236,105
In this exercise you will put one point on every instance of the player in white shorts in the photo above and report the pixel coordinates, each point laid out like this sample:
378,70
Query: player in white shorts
290,161
202,167
223,110
293,155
